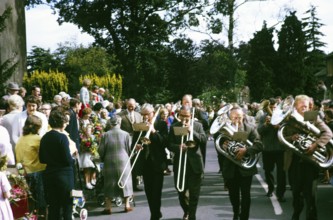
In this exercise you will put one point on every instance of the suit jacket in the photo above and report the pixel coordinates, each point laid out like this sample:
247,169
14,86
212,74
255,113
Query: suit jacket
126,123
194,156
229,167
19,121
155,151
73,129
268,135
202,118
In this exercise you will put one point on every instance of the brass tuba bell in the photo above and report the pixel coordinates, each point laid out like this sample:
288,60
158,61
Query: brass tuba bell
230,151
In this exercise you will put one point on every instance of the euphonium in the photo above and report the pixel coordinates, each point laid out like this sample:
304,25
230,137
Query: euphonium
286,115
322,156
230,149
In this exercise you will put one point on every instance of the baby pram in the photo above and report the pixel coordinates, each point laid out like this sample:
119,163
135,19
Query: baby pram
78,196
118,201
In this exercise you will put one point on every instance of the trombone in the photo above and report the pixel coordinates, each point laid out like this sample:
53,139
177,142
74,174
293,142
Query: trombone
144,141
180,185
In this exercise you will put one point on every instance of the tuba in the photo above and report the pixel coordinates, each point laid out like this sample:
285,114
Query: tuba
221,119
231,148
309,133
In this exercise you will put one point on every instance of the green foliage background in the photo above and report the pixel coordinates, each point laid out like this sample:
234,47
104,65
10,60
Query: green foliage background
158,64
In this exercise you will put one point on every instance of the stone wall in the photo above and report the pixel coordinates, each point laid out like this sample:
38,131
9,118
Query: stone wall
13,38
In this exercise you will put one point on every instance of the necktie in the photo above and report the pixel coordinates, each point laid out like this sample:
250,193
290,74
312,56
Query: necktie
132,117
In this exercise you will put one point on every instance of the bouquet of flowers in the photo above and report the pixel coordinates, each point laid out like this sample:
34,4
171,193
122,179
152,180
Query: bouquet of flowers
89,144
98,128
20,189
20,193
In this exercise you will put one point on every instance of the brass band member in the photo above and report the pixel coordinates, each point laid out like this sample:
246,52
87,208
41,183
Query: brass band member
304,174
273,152
153,159
189,197
239,180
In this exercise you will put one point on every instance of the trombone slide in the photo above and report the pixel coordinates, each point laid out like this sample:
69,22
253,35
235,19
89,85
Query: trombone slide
181,169
128,163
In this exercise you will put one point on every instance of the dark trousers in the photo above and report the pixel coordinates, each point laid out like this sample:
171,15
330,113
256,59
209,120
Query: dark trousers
137,170
304,178
270,160
35,183
57,211
189,198
203,147
153,184
239,195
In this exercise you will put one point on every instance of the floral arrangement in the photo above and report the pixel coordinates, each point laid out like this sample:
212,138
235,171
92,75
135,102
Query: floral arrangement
98,128
89,144
20,189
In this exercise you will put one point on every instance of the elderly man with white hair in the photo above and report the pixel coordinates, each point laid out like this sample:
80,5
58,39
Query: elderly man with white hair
56,101
153,158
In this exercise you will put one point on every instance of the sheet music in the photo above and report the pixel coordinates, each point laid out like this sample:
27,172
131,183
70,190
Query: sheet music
180,131
140,127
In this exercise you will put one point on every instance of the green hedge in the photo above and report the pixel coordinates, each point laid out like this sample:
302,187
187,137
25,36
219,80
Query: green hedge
53,82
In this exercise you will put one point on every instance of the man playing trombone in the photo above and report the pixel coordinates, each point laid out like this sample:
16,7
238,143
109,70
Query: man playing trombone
151,144
188,163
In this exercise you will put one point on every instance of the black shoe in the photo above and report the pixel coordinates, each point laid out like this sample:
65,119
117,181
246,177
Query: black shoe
269,194
281,199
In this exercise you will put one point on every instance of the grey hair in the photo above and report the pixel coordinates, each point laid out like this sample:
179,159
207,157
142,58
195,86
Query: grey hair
15,102
196,101
148,107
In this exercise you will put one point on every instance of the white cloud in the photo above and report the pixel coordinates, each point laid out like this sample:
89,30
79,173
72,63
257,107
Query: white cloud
44,31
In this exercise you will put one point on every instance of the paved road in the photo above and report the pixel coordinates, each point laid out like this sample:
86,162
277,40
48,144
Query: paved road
214,202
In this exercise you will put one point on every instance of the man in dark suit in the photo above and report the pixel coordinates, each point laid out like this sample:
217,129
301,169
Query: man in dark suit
303,172
73,125
128,118
189,196
239,179
199,116
73,130
273,152
153,158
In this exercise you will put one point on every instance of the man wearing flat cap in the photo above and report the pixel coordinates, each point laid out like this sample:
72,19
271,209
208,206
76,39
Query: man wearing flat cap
12,88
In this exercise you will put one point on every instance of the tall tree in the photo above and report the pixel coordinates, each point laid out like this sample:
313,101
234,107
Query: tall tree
124,28
217,68
260,66
73,60
315,59
42,60
290,77
181,65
